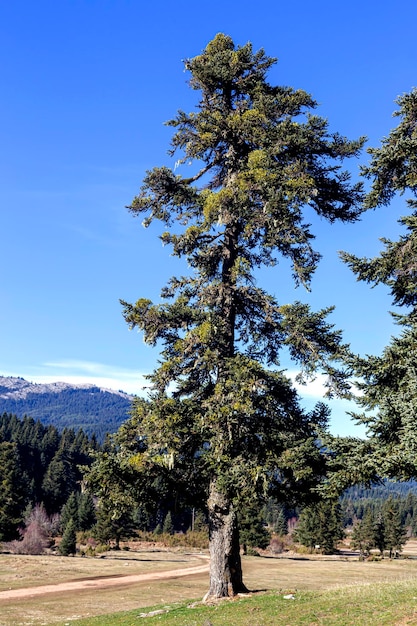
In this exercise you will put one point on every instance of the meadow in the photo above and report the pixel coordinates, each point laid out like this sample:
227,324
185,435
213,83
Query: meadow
299,589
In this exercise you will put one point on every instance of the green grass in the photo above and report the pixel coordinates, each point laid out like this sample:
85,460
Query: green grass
354,605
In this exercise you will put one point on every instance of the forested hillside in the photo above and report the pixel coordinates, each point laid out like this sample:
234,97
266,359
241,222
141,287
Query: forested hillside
358,501
38,464
93,409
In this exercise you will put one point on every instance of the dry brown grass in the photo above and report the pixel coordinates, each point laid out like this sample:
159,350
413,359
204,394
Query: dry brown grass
18,571
302,573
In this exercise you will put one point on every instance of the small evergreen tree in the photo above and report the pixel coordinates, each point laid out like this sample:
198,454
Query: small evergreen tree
168,526
103,528
70,511
86,512
113,524
320,526
363,535
253,532
281,524
380,533
395,532
69,540
199,521
142,519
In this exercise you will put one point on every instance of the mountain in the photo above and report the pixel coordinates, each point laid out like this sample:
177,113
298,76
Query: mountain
94,409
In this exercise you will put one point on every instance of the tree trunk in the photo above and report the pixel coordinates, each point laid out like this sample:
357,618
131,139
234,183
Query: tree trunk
226,577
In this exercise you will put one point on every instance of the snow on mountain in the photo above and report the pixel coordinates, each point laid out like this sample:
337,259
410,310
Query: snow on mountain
17,388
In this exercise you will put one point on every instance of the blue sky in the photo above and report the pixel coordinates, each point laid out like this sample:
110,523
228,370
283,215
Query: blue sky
86,88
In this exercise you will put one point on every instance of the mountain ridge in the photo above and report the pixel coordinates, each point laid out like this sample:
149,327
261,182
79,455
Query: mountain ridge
96,410
20,387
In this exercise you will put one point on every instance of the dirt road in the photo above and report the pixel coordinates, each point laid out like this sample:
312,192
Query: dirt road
102,582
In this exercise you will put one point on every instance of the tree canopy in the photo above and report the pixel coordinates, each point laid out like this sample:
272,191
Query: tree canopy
221,408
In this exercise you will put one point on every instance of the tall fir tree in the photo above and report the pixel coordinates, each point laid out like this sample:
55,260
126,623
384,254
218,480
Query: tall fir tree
388,382
220,406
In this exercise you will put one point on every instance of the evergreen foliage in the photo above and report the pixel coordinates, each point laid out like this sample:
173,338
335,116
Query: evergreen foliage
70,511
233,424
363,535
358,500
39,465
86,511
394,531
252,529
388,382
113,524
320,526
68,543
383,529
277,514
11,491
93,410
168,526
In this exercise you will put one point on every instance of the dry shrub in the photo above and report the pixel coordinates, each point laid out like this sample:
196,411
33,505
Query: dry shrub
49,523
35,537
276,545
280,544
34,540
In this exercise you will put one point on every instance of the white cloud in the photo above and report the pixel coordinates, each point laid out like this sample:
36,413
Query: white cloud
314,388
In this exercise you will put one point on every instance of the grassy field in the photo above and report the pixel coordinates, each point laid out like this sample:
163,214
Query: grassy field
325,591
381,604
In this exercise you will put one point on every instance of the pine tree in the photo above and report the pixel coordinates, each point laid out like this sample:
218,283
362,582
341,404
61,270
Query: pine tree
281,523
69,540
11,491
113,524
70,511
320,526
168,526
389,382
86,511
380,534
58,482
252,529
233,420
395,532
363,535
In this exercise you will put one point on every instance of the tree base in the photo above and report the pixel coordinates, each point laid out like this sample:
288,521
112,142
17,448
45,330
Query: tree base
217,595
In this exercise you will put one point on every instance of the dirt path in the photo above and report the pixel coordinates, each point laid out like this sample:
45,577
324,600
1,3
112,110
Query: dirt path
102,583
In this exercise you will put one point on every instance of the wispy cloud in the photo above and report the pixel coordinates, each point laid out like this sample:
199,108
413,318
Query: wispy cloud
83,372
340,421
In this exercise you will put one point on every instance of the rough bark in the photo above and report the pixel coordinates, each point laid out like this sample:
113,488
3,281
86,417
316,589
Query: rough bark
226,577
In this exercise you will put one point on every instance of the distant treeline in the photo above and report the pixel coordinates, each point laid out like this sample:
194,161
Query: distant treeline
39,464
358,502
42,465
